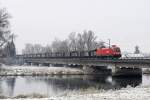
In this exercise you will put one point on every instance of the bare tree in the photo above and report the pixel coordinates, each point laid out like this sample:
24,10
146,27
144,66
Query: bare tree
37,48
47,49
28,49
80,42
64,46
4,27
60,46
56,45
72,41
89,39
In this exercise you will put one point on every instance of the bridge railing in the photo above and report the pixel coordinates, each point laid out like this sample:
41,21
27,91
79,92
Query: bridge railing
46,55
135,58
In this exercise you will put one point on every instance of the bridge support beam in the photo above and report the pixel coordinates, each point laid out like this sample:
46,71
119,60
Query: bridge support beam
124,71
50,65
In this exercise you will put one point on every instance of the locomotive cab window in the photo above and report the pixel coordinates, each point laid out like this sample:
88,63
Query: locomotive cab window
117,49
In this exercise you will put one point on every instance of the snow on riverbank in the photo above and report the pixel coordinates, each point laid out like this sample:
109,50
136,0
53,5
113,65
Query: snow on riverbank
138,93
33,70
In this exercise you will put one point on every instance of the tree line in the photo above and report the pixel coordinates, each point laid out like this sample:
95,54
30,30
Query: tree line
85,41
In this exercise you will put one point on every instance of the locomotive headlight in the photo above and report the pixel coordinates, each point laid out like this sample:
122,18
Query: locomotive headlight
107,51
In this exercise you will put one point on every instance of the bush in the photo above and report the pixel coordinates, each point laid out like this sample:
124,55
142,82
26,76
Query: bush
34,95
3,97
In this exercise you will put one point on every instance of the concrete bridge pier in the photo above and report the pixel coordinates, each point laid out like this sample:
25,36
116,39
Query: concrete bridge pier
25,64
96,70
50,65
65,65
28,64
124,71
45,64
87,69
33,64
40,65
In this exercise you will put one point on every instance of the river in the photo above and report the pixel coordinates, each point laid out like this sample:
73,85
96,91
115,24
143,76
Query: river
58,85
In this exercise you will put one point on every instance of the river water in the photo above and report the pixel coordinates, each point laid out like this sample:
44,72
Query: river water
58,85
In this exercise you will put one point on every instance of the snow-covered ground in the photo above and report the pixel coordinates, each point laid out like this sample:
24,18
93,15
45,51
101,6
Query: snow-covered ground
34,70
129,93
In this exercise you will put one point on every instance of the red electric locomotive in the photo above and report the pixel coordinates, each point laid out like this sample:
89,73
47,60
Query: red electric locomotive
112,51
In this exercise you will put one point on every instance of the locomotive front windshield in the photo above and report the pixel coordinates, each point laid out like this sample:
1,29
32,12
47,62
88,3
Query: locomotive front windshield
117,49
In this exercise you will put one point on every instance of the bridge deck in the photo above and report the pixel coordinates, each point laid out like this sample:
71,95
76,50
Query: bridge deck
134,62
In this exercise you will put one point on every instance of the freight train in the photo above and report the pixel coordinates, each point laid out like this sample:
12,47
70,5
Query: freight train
110,52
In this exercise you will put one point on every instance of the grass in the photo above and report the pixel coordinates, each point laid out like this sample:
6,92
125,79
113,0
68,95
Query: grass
34,95
3,97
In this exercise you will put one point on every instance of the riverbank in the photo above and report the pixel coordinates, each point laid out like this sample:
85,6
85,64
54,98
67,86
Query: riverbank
146,71
34,70
129,93
6,70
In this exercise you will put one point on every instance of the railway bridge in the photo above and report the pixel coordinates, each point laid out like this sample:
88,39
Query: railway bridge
119,67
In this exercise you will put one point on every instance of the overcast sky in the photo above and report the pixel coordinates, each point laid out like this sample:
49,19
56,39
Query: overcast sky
125,22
